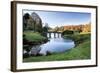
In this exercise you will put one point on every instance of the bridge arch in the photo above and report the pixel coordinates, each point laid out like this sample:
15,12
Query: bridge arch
54,34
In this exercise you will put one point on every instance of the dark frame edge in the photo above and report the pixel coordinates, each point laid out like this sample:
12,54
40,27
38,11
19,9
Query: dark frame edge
56,68
96,35
13,36
55,4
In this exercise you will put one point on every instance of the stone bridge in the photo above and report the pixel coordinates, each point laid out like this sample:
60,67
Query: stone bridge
53,34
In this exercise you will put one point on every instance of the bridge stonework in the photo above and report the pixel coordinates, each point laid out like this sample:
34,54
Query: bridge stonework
55,34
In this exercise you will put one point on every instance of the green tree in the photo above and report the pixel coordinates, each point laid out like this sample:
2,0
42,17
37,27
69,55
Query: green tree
46,27
37,22
68,32
31,24
26,16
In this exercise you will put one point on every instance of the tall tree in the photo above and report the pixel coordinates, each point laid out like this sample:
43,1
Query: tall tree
26,16
37,22
31,24
46,27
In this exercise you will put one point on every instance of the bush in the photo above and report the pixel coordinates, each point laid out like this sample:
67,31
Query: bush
25,55
67,32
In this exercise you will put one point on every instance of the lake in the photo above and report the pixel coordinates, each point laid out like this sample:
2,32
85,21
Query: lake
55,45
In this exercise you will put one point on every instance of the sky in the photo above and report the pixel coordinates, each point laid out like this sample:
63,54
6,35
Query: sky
62,18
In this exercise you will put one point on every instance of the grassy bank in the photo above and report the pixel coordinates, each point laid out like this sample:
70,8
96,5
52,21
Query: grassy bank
82,51
78,38
34,36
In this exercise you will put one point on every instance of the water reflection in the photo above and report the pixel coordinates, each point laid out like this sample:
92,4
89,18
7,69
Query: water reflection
55,45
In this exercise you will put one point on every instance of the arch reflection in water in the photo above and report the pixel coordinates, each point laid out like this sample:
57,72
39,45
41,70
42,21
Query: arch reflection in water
56,45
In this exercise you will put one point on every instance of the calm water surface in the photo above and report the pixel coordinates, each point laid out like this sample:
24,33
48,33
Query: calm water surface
55,45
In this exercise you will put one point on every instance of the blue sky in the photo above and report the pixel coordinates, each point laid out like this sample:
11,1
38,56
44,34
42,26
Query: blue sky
62,18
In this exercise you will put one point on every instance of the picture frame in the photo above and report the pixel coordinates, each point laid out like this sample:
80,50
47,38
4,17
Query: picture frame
17,10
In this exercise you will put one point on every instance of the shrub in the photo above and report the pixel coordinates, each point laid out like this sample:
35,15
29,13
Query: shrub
67,32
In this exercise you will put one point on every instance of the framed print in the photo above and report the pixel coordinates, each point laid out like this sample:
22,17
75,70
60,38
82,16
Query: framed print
47,36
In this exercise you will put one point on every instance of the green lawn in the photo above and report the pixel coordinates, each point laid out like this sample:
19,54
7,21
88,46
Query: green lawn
81,51
78,38
33,36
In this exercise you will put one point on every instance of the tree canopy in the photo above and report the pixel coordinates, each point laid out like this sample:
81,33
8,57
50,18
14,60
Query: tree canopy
32,22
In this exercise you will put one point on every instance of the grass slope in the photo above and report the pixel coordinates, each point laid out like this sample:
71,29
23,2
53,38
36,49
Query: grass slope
33,36
82,51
